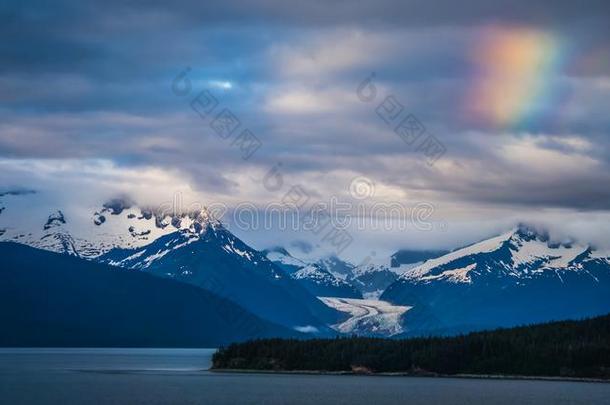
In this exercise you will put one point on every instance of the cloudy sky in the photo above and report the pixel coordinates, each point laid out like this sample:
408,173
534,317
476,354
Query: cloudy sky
99,99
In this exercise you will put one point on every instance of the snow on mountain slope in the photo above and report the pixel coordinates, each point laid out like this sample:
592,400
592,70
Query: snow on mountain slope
315,274
314,278
368,317
28,218
215,259
336,266
319,281
486,246
281,257
371,277
366,268
50,299
515,278
409,257
519,254
191,247
145,256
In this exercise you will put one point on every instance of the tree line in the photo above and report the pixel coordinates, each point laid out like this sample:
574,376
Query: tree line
579,349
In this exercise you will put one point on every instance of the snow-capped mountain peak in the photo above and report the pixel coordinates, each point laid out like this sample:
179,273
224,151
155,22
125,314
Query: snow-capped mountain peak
520,253
90,232
314,277
519,277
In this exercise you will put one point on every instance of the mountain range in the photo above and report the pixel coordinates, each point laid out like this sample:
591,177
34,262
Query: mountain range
52,299
216,260
519,277
316,278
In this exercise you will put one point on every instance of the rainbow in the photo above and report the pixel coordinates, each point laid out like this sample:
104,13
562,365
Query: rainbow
513,70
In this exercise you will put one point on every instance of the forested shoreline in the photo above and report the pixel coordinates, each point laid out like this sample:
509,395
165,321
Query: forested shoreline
570,349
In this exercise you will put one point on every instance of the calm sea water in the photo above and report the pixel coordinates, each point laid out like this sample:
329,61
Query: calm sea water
180,376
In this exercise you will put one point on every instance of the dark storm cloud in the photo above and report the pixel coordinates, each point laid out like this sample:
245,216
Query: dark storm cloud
92,80
323,12
67,34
